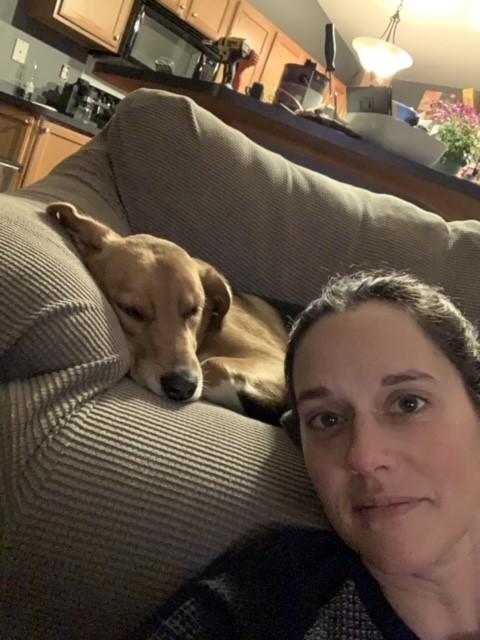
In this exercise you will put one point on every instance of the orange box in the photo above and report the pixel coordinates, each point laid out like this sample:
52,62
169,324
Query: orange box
472,98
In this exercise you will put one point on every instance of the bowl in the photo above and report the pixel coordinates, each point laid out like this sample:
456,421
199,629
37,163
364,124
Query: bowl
397,136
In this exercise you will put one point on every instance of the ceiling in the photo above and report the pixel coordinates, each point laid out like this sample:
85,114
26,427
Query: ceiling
442,36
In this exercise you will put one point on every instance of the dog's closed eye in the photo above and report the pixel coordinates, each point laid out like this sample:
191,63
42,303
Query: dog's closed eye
131,311
191,312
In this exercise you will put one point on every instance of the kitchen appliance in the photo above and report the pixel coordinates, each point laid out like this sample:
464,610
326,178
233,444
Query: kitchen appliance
159,40
83,101
301,87
231,51
369,99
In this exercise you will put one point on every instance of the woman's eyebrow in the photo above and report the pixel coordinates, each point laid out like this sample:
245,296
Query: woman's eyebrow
313,393
405,376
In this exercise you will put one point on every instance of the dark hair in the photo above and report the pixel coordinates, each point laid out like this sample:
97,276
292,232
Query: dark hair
433,311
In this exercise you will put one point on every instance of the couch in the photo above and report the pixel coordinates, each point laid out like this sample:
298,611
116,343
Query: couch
110,496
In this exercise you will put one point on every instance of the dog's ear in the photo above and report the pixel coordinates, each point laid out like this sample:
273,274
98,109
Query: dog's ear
217,291
87,234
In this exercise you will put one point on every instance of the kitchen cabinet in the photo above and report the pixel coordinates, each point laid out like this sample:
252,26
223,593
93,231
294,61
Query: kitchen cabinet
259,32
177,6
16,133
283,51
100,22
210,17
53,143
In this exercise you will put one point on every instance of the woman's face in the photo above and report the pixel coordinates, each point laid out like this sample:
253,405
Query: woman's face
390,437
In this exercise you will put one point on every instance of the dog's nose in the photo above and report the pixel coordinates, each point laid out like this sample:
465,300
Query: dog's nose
180,385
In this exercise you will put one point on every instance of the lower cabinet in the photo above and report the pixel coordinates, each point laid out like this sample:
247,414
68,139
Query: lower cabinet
31,146
53,143
16,134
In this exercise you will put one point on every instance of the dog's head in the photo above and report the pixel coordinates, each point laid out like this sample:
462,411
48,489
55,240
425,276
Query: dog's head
166,300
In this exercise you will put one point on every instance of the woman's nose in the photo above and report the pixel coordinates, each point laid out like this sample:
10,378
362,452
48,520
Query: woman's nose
369,448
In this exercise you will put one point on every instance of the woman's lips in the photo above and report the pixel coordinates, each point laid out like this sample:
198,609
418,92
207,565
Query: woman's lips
385,510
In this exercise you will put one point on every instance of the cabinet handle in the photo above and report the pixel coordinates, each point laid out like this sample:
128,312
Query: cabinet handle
116,37
8,165
194,15
27,121
183,6
45,130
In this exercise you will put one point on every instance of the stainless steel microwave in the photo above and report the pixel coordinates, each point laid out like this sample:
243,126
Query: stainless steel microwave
159,40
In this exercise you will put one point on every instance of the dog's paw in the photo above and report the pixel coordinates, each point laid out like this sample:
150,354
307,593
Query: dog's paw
220,385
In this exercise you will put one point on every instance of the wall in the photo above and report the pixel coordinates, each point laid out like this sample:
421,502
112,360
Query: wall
411,92
304,21
48,49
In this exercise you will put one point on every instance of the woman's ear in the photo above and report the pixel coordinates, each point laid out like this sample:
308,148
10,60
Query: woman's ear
217,291
87,234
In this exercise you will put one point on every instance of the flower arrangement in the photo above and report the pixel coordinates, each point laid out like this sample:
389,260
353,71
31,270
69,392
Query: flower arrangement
458,126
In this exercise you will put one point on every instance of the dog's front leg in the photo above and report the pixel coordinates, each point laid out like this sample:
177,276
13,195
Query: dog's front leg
221,384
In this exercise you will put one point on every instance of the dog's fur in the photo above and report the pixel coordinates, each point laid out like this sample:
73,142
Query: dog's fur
189,336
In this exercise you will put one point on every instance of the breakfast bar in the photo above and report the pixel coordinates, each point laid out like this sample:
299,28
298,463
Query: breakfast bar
311,144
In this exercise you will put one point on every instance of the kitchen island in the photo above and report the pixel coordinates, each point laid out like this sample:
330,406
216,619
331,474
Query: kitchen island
313,145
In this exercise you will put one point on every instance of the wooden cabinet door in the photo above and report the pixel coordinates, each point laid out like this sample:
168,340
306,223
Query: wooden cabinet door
53,144
103,21
259,32
210,17
16,132
283,51
180,7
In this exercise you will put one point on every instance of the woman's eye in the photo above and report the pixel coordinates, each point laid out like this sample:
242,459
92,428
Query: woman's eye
409,404
324,421
131,312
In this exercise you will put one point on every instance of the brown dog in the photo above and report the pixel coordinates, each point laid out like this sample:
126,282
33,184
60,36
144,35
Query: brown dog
189,336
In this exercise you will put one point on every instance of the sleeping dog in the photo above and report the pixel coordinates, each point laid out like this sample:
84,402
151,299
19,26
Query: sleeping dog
189,336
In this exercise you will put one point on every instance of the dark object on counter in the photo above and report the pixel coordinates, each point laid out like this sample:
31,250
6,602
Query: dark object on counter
369,100
256,91
83,101
301,87
328,122
330,54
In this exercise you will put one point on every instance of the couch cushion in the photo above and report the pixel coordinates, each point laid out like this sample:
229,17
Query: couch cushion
53,316
274,228
124,500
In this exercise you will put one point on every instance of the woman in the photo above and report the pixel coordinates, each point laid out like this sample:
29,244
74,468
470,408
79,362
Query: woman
384,378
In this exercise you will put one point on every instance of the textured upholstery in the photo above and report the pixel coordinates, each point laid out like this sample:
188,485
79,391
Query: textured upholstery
109,496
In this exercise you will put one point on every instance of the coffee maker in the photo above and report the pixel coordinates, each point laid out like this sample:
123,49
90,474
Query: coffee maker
83,101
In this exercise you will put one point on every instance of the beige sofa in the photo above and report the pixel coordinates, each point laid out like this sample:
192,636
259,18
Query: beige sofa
111,497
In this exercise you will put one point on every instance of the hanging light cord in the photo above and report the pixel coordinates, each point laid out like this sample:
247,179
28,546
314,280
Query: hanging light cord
391,30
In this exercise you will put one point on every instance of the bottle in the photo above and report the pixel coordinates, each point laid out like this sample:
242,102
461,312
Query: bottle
27,86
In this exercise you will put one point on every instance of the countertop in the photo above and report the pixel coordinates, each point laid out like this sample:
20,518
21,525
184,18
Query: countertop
242,108
7,95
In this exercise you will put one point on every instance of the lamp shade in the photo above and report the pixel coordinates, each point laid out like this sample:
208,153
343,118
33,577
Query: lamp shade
382,58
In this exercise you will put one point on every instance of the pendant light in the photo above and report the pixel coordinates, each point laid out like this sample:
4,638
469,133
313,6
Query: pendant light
381,56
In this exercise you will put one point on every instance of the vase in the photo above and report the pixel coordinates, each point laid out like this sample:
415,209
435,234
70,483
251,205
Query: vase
450,166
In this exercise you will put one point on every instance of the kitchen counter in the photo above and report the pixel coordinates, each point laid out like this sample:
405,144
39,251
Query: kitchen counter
7,95
310,144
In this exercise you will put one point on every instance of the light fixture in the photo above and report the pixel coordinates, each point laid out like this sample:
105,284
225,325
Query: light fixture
381,56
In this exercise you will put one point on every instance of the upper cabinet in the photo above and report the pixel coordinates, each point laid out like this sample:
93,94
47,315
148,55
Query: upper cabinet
100,22
210,17
283,51
259,32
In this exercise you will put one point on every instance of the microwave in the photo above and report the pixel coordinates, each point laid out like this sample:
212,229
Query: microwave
159,40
